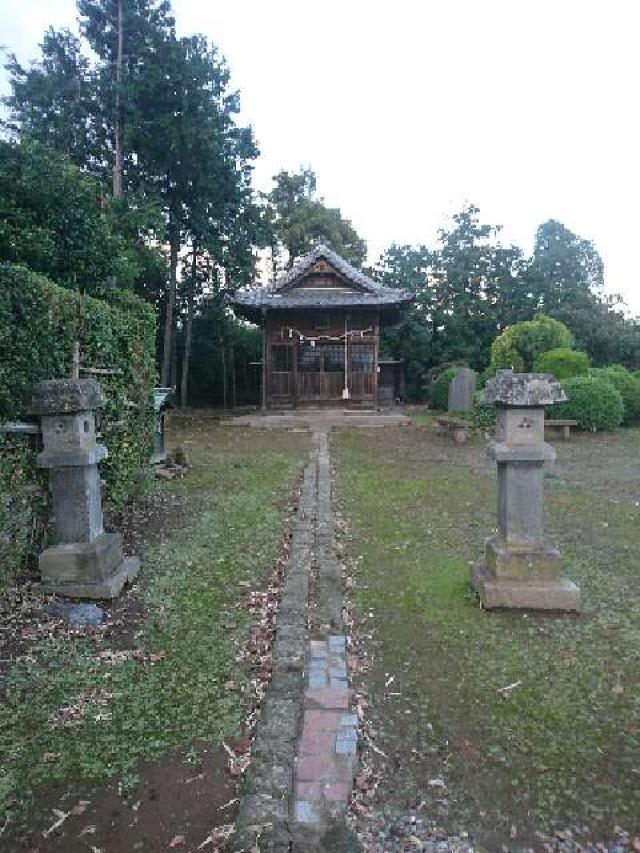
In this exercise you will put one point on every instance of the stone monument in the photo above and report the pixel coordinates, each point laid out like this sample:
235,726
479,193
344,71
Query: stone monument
461,390
520,569
83,561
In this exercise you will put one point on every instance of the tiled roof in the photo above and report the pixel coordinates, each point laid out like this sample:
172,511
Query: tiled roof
304,263
282,295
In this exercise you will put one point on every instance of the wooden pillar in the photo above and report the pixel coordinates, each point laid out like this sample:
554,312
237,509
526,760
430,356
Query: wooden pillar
376,349
294,378
263,390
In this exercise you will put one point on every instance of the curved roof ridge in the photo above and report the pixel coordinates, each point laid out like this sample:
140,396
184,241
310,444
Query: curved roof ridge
321,250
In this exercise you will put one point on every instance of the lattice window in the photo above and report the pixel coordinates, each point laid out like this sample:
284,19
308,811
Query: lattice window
281,361
362,357
308,358
333,355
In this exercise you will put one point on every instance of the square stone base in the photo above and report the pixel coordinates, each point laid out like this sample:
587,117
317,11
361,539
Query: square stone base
524,594
87,569
82,561
522,561
109,587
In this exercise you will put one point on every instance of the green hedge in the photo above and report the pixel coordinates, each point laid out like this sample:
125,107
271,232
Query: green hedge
39,323
563,363
627,384
593,402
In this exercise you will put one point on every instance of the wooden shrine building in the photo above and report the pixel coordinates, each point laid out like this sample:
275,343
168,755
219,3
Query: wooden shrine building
321,325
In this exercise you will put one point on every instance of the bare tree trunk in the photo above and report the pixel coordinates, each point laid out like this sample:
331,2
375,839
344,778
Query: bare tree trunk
224,373
170,308
118,163
173,377
232,354
184,382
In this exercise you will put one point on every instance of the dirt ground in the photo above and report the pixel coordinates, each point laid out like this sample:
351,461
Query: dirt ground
551,764
186,800
555,759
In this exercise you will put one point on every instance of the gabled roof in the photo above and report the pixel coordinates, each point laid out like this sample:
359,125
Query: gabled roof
283,294
321,251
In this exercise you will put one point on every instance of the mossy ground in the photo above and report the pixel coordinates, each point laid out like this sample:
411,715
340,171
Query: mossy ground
561,748
188,686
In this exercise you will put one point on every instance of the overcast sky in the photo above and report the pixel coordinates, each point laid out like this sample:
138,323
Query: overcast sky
406,110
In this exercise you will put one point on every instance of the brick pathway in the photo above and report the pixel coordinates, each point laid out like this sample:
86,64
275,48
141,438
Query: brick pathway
327,747
304,756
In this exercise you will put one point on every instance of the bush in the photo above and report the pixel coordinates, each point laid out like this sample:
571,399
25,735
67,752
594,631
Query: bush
627,384
55,219
519,345
439,390
563,363
483,416
593,402
39,322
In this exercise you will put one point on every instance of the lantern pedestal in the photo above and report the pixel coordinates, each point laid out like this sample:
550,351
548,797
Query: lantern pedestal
520,569
83,561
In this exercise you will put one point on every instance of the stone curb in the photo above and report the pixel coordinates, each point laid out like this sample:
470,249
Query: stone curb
262,821
297,789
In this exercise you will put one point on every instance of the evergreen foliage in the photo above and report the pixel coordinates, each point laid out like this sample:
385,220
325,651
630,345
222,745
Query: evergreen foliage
57,221
299,216
593,402
563,363
470,287
627,384
519,345
155,118
39,324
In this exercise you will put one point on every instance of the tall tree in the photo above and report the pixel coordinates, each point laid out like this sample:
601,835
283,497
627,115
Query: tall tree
54,219
198,160
470,272
125,34
564,267
54,100
409,340
299,217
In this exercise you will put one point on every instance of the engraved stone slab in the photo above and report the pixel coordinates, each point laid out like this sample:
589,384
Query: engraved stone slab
461,390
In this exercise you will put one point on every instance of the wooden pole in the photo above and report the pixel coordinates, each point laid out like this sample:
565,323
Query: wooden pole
263,390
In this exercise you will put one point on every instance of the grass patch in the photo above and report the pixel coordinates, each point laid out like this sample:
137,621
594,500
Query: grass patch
564,746
420,415
122,709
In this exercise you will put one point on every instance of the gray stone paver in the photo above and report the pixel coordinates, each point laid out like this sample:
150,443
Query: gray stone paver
327,748
298,787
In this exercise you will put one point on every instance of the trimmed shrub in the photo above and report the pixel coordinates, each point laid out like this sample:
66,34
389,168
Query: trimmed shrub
563,363
627,384
593,402
439,390
39,323
483,416
519,345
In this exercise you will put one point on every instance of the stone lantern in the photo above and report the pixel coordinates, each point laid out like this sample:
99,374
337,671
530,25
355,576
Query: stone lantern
83,561
520,569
